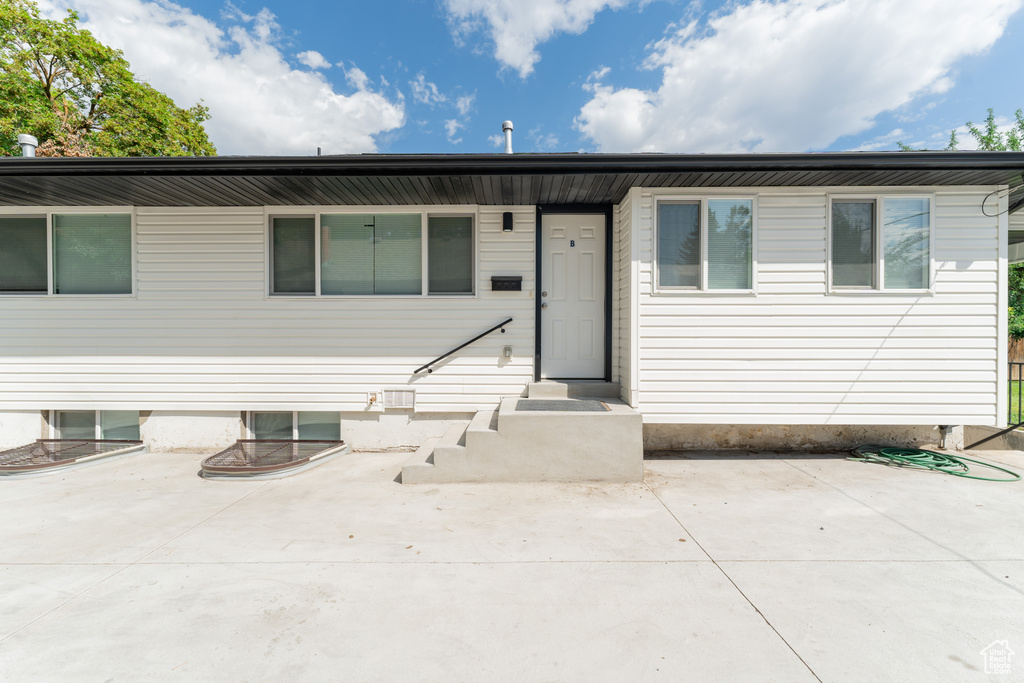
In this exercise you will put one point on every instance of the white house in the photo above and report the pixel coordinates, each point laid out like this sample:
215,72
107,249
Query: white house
729,300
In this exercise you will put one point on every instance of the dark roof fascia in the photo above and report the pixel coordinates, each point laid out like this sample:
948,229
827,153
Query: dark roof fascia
517,164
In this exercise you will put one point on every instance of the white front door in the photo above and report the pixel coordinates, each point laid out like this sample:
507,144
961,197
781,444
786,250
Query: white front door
572,296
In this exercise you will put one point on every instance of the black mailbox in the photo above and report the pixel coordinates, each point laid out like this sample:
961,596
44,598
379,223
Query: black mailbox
506,283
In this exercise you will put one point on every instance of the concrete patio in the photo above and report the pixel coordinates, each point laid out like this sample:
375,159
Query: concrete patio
757,567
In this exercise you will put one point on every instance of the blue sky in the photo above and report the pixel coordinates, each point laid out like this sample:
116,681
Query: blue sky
573,75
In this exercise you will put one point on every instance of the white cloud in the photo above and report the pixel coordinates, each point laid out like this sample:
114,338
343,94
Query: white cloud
464,103
496,140
451,127
772,76
425,92
259,104
313,59
517,27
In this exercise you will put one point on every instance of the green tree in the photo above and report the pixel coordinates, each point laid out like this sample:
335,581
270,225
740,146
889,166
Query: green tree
989,138
79,97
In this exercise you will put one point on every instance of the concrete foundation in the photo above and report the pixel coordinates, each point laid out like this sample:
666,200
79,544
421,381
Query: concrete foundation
195,432
20,427
396,429
667,437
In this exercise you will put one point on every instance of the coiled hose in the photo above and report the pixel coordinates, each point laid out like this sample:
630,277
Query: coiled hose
918,459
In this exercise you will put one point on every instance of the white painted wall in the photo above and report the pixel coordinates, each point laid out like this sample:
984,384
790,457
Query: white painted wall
202,335
794,354
190,431
20,427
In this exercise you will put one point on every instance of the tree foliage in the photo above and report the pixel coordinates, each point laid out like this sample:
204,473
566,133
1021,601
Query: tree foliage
79,97
988,137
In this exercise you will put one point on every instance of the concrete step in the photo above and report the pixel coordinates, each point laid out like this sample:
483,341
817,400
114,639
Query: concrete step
482,433
419,468
569,388
451,448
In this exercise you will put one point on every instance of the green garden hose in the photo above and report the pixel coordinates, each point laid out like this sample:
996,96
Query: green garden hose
926,460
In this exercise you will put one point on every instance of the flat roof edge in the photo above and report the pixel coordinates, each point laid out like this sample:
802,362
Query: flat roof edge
515,164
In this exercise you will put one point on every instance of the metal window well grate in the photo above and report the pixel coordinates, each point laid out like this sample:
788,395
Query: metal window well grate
53,454
268,457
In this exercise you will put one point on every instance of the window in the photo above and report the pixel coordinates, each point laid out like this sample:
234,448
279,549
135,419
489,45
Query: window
86,254
372,254
294,255
117,425
450,254
301,425
705,244
895,257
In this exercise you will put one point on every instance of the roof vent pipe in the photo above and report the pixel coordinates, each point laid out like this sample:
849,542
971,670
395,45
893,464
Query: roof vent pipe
506,127
28,145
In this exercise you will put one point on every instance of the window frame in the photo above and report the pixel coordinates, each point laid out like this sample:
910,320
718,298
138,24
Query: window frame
249,421
425,213
878,266
703,198
48,213
54,428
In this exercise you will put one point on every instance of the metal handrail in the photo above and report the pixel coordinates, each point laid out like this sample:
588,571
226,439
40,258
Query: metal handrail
462,346
1015,420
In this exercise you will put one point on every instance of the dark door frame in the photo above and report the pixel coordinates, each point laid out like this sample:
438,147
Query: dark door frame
555,209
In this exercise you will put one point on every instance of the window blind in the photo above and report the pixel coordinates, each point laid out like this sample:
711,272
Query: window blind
906,231
853,243
23,255
398,254
679,244
294,257
346,254
450,255
92,254
729,243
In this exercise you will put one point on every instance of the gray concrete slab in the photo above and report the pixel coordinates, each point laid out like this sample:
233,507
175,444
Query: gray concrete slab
798,516
797,569
888,621
401,622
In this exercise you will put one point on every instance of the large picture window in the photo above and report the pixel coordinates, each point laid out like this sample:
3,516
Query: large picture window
66,254
363,254
880,243
705,244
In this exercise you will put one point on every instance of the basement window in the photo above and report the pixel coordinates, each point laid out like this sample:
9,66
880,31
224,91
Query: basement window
295,425
106,425
880,243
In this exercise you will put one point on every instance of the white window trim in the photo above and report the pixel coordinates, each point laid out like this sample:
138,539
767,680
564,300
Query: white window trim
295,420
878,287
426,212
703,289
49,212
55,428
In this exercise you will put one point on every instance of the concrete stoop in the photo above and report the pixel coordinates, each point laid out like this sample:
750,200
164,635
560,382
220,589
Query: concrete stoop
509,445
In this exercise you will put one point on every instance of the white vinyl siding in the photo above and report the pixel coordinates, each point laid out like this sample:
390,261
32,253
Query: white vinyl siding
203,334
793,354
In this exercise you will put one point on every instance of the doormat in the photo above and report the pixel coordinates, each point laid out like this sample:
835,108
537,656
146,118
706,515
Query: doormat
561,405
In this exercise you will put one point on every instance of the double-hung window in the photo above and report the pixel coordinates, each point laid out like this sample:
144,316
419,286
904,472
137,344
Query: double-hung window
66,253
704,244
880,242
364,254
